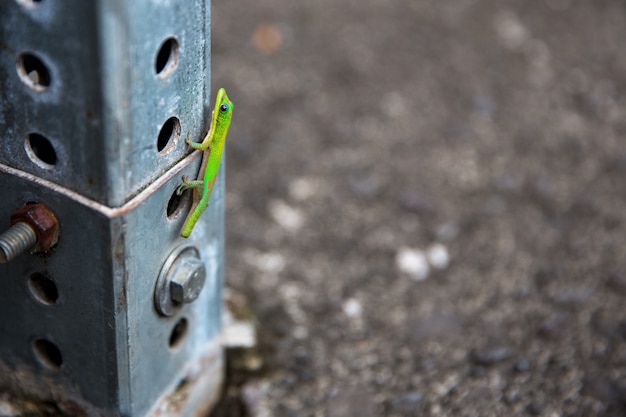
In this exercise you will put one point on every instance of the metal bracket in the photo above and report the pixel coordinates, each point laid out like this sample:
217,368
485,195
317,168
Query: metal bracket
94,100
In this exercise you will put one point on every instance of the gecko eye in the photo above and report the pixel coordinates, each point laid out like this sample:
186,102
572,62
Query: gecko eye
224,108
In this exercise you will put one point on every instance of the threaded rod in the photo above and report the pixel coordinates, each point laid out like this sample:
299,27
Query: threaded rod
15,241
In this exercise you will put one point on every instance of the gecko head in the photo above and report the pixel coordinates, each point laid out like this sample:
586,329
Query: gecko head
225,105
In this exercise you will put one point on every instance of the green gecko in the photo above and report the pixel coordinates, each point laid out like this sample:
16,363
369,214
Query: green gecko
212,147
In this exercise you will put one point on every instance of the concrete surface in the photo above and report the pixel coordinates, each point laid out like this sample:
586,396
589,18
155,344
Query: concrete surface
426,206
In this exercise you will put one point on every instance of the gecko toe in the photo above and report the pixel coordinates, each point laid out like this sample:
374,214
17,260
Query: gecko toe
182,187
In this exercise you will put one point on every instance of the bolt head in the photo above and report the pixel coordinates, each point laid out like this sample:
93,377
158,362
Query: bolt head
187,280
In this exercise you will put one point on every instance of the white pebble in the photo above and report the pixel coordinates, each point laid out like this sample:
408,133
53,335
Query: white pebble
438,256
300,332
270,262
238,334
8,410
288,217
413,262
303,188
510,30
352,308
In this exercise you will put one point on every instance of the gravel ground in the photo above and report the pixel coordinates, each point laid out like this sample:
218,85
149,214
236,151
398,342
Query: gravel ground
425,206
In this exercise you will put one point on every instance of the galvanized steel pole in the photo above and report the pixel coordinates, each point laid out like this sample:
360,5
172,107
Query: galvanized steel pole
96,99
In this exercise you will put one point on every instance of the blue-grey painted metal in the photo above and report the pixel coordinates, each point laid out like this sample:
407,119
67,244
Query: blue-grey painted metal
92,124
105,103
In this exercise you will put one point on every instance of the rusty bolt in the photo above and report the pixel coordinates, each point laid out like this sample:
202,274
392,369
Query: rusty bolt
42,221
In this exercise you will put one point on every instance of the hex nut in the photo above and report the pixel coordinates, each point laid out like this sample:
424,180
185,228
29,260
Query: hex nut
43,222
187,280
180,280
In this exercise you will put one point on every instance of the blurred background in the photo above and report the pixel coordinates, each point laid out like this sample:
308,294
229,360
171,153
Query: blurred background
425,206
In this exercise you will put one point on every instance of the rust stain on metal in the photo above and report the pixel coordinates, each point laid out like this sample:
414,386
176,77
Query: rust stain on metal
198,389
43,222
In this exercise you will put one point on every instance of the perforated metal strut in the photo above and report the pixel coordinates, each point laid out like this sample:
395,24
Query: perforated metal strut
96,99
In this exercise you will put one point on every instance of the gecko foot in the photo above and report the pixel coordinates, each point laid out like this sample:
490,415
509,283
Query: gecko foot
184,186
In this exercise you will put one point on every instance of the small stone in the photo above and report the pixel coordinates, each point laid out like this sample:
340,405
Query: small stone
254,395
413,262
289,218
617,284
510,30
301,365
490,356
352,308
406,404
602,322
394,104
275,318
350,402
448,385
438,256
438,327
267,38
555,325
603,388
303,188
251,361
572,297
534,408
238,334
269,262
300,332
8,410
447,231
417,203
477,371
365,188
621,329
511,398
522,365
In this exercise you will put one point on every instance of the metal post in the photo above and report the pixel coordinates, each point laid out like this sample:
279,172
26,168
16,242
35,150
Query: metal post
118,316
